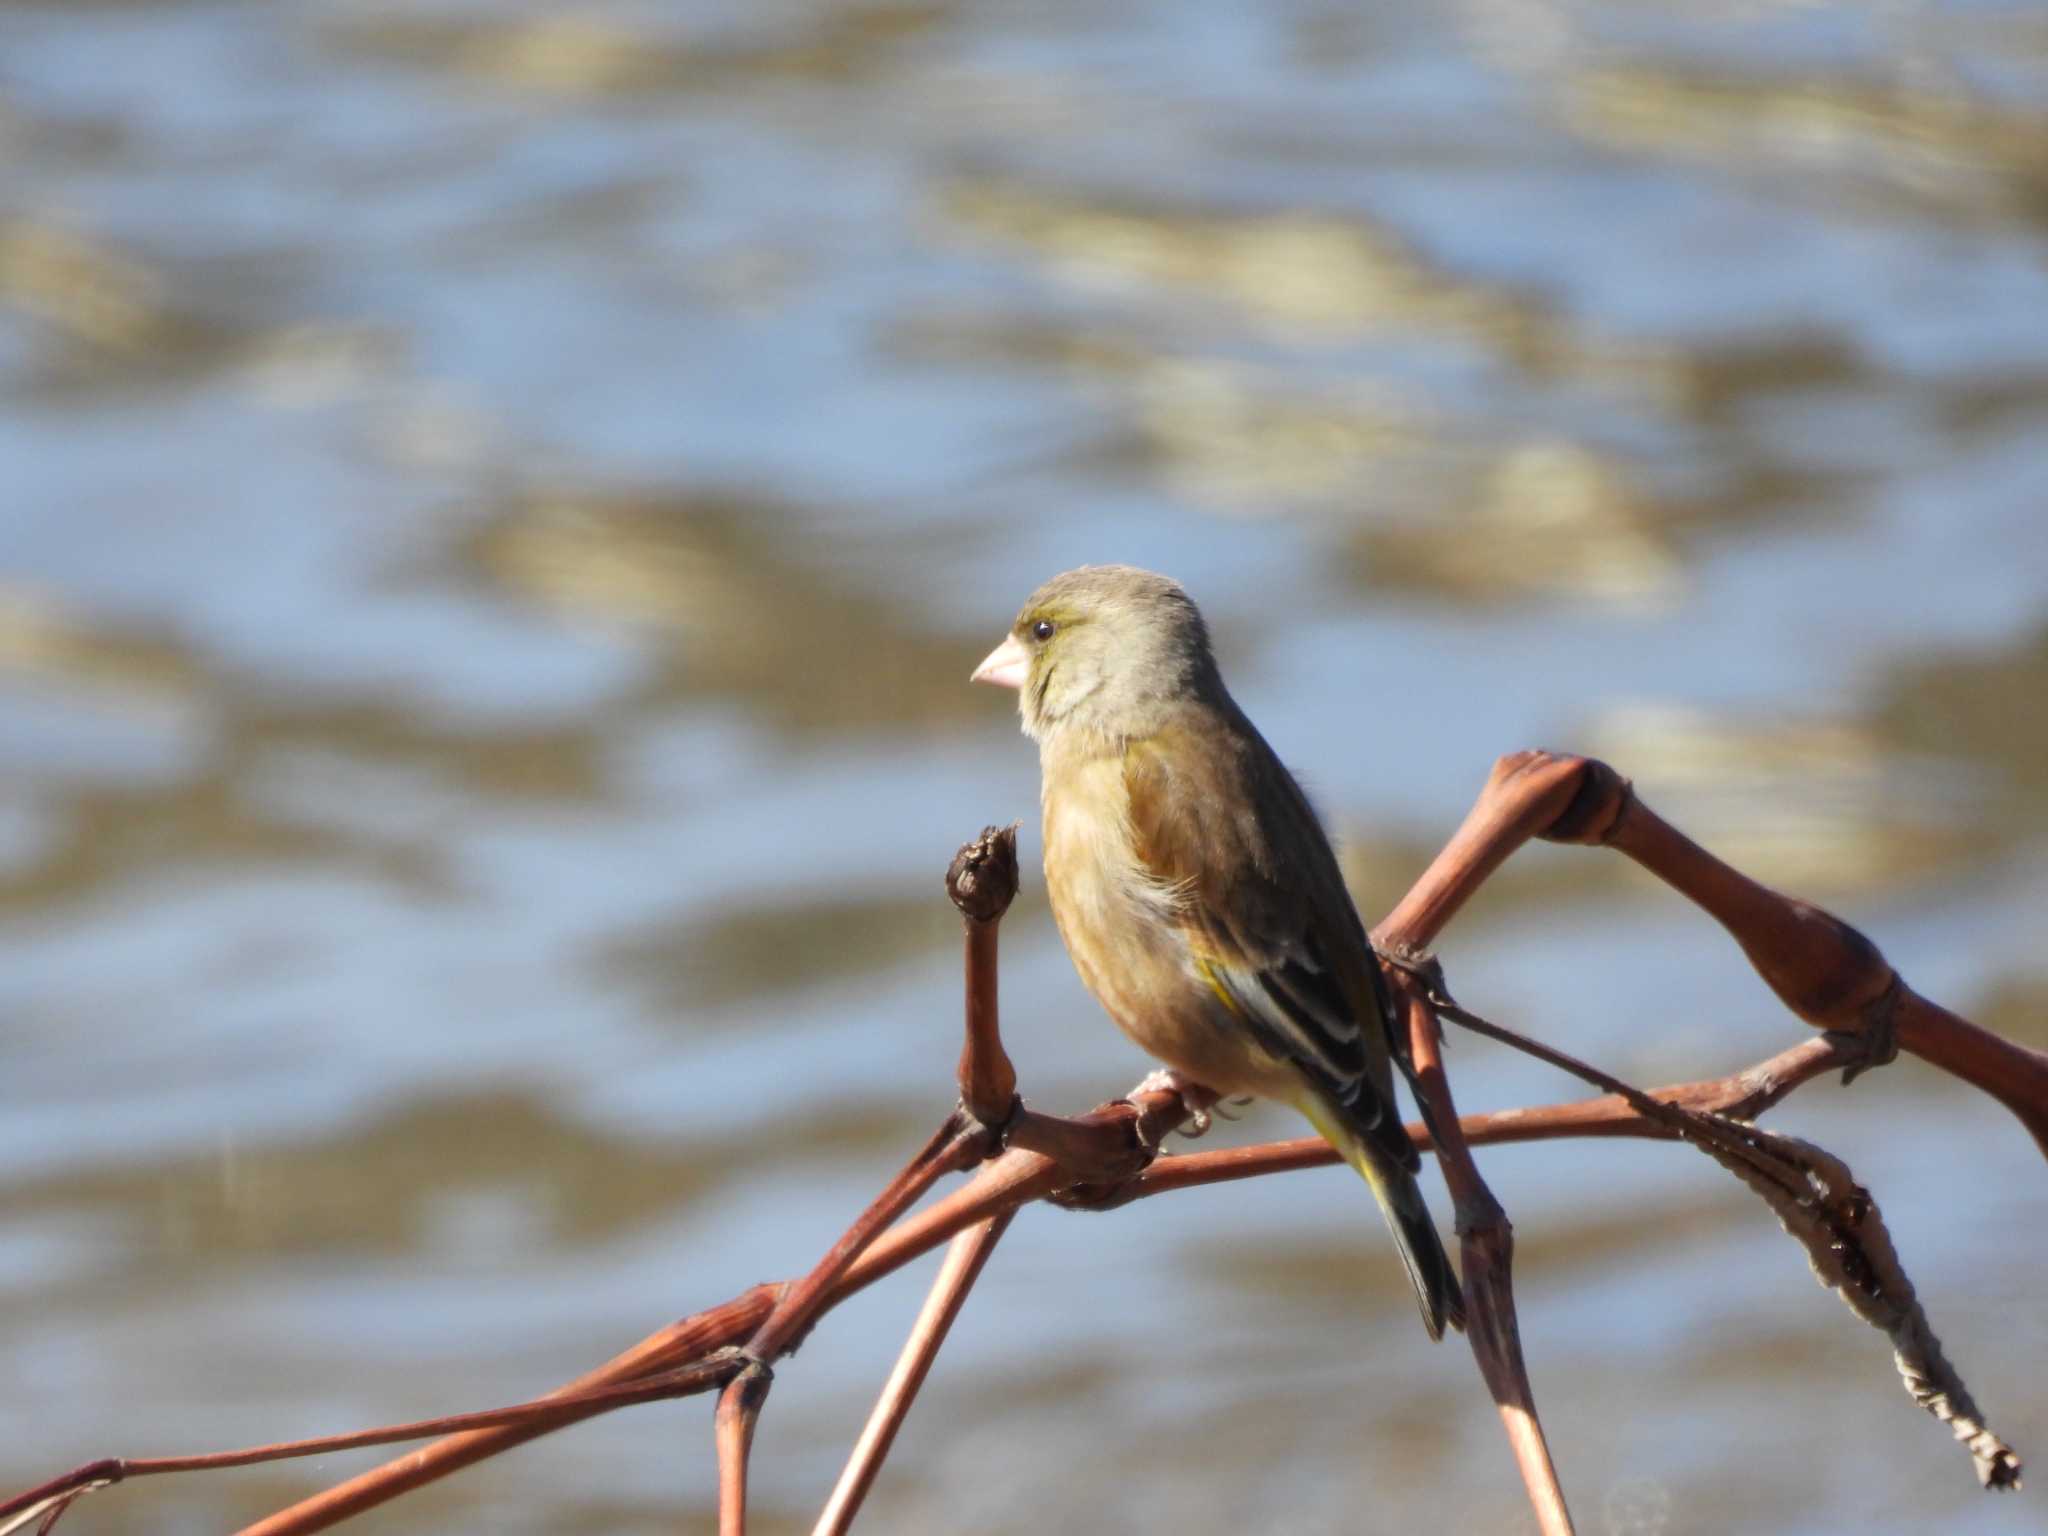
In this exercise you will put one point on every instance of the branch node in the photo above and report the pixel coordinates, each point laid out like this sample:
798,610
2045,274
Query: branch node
1095,1197
1419,962
1877,1042
1481,1212
1598,809
993,1137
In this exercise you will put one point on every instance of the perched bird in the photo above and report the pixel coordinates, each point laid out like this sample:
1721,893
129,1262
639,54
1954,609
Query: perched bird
1195,889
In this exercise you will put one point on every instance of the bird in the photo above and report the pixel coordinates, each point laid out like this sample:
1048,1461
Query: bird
1196,890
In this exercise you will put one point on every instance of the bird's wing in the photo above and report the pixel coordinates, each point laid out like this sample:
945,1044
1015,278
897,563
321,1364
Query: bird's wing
1218,820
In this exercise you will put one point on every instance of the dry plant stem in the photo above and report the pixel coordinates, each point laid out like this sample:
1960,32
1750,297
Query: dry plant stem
1819,1203
1099,1146
982,882
739,1408
690,1339
958,1143
965,1256
541,1415
1023,1175
1525,796
1745,1095
1825,971
953,1146
988,1081
1829,974
1488,1256
1108,1144
1014,1179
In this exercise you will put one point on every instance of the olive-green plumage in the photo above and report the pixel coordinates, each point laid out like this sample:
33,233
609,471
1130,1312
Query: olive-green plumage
1195,889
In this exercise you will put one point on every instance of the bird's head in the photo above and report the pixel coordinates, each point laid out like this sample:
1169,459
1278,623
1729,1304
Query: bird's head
1106,649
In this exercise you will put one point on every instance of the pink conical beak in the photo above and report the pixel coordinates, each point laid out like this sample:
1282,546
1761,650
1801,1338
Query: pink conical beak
1005,666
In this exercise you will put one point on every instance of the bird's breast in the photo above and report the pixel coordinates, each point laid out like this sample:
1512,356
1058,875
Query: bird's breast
1092,870
1125,932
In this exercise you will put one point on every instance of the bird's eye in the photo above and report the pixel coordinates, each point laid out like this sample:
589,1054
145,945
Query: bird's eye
1042,630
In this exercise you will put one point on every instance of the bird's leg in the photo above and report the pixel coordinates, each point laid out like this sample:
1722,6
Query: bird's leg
1197,1098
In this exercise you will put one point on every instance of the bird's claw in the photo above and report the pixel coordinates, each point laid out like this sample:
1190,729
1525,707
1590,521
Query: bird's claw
1193,1095
1208,1114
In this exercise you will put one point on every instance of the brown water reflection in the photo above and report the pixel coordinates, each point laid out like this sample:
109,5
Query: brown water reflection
384,1187
599,57
742,953
753,600
1983,708
1928,146
114,315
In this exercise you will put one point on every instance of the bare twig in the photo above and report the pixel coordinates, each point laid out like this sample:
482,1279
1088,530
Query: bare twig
1021,1176
739,1408
1487,1241
694,1338
1825,971
957,1144
540,1415
1819,1202
965,1256
982,882
1526,795
1822,969
1745,1094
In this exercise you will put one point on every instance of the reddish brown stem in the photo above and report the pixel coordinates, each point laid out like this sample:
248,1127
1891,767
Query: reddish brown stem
965,1256
982,881
1021,1176
540,1415
690,1339
1525,796
1099,1145
1824,970
957,1144
2011,1073
1488,1244
739,1407
1828,973
952,1147
1745,1094
988,1080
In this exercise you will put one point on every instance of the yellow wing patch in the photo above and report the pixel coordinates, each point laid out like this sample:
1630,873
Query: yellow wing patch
1208,974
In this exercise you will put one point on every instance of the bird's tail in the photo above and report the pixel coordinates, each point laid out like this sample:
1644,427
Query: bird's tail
1400,1198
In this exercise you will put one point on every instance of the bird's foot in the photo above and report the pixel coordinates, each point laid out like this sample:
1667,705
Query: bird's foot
1163,1080
1192,1094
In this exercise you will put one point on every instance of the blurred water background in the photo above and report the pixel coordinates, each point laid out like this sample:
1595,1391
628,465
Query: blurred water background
498,504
